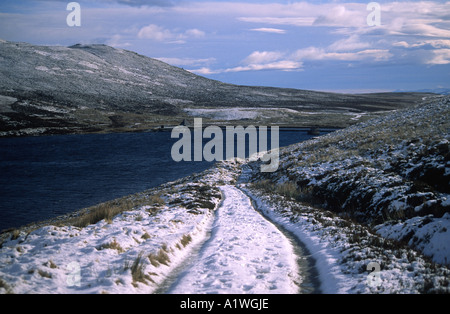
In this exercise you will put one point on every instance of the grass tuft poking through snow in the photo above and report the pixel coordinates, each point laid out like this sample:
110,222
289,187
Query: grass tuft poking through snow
109,210
160,258
138,270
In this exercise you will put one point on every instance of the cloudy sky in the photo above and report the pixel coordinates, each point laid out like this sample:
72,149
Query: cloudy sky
319,45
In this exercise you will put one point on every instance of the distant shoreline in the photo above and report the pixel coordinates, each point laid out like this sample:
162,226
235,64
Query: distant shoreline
160,129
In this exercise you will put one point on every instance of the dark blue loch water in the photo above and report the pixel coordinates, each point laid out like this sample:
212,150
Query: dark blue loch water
44,177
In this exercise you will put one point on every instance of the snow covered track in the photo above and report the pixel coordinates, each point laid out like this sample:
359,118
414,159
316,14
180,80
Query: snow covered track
245,254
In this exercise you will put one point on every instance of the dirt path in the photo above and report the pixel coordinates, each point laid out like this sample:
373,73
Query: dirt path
245,254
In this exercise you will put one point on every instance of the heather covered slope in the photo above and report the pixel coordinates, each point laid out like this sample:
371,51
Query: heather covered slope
391,174
97,88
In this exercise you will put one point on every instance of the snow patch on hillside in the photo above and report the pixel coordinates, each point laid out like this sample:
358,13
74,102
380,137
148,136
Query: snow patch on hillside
231,114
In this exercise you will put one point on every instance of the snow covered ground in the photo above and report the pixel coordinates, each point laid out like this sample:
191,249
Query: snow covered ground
239,113
380,194
350,258
369,203
245,254
240,251
132,253
136,252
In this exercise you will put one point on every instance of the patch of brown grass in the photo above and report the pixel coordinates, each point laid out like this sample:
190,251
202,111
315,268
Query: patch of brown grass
109,210
114,245
138,270
5,286
186,239
159,258
44,274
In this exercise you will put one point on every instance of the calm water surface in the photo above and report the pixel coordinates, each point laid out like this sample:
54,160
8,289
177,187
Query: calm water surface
44,177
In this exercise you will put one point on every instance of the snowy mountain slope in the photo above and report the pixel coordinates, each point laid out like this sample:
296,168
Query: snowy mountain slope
97,88
349,257
391,174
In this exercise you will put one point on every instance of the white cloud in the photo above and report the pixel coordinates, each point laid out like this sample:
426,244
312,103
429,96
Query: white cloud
282,65
155,32
402,44
304,14
348,44
280,61
412,28
267,60
159,33
205,71
259,61
187,61
294,21
435,43
374,54
441,56
314,54
117,42
269,30
344,15
138,3
195,33
259,57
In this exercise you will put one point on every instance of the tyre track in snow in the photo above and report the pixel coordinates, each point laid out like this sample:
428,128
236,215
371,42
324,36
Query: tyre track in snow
245,254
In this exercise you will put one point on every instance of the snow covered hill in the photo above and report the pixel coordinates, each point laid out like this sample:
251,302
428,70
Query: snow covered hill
390,174
97,88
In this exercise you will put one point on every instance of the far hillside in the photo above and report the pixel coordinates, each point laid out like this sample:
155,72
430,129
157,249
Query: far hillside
97,88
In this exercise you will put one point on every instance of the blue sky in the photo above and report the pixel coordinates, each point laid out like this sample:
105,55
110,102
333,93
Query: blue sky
318,45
